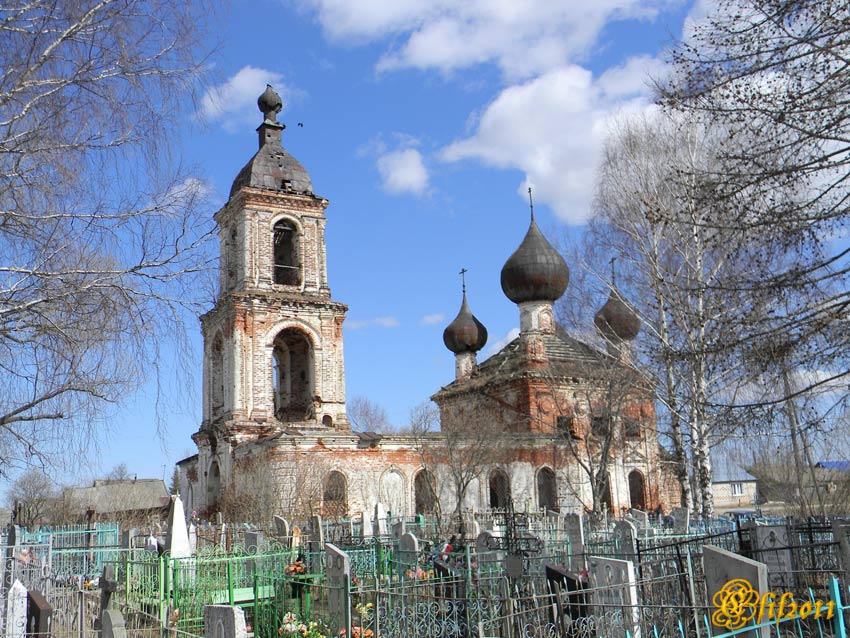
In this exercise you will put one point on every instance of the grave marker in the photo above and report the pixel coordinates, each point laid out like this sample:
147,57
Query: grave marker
177,538
574,529
296,538
681,520
771,547
399,529
317,533
39,615
281,526
640,518
366,525
615,595
16,611
381,519
339,579
224,621
625,535
112,624
721,566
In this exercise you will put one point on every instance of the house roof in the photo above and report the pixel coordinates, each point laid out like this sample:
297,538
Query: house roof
841,466
110,496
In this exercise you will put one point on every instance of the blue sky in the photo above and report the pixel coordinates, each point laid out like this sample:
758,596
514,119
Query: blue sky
424,121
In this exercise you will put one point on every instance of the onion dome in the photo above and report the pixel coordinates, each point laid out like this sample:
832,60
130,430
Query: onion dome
615,320
536,271
272,168
465,333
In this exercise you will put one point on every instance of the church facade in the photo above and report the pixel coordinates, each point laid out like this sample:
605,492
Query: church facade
548,422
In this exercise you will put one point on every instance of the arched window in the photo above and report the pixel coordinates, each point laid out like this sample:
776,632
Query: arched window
500,490
392,493
425,493
217,376
334,496
287,269
213,484
292,363
637,490
547,490
328,421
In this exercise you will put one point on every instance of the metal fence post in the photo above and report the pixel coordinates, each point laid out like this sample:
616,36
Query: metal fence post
838,619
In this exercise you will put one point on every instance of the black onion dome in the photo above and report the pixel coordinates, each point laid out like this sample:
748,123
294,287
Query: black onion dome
465,333
272,168
615,320
536,271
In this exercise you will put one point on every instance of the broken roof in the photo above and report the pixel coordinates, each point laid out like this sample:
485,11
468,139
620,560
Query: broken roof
121,496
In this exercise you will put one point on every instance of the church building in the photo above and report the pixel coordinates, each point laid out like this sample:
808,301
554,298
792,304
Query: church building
547,422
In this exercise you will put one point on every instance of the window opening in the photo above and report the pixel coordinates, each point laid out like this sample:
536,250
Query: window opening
287,271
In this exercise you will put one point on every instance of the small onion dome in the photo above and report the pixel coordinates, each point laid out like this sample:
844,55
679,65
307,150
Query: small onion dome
465,333
615,320
536,271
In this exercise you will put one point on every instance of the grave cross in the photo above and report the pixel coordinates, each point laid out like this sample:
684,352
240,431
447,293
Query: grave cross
516,539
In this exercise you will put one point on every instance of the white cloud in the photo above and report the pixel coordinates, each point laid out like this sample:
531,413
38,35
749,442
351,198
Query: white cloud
522,38
234,102
385,322
553,127
496,346
381,322
403,171
430,320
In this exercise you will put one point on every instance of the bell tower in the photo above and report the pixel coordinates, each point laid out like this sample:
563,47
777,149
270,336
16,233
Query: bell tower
273,351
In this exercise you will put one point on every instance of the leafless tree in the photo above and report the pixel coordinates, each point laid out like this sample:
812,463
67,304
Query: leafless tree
367,416
34,494
772,78
100,231
681,264
456,458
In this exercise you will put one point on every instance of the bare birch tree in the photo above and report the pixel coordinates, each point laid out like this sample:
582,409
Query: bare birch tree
660,218
100,230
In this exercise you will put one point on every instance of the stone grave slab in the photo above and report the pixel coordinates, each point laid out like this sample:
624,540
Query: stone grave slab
574,530
112,624
281,526
640,518
16,611
381,519
625,535
681,520
338,571
614,594
39,614
721,567
771,545
224,621
366,525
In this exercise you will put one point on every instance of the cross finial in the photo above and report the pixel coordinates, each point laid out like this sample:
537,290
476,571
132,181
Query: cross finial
613,273
531,203
462,274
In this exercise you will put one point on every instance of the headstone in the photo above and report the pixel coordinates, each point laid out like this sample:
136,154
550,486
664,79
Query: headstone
177,538
474,529
112,624
841,533
254,542
381,519
514,566
219,519
222,535
39,615
339,579
224,621
771,547
721,567
614,589
16,611
317,533
296,538
681,520
408,554
281,527
574,529
193,538
108,586
366,525
399,529
625,535
640,518
7,572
